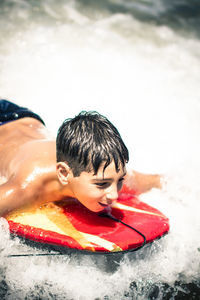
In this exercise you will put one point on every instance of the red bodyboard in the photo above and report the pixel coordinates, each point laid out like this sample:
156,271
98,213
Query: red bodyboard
71,225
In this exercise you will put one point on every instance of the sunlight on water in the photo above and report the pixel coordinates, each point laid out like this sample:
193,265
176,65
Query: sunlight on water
145,79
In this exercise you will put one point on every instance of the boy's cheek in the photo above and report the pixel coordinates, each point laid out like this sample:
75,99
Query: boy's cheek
91,201
92,193
91,204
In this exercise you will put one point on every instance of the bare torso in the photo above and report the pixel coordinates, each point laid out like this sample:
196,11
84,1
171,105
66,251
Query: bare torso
27,161
25,141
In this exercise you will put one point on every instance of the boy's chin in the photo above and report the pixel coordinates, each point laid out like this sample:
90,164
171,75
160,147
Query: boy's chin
97,209
103,209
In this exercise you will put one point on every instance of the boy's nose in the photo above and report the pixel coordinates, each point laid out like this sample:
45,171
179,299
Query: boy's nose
111,196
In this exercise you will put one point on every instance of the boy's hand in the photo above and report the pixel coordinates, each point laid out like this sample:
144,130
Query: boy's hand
142,183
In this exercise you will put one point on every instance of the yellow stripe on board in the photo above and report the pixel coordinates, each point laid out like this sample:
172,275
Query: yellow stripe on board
51,218
102,242
133,209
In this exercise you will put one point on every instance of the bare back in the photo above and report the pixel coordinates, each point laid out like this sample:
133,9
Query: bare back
23,141
26,149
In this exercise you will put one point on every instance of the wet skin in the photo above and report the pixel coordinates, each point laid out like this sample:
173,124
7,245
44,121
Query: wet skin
28,164
32,176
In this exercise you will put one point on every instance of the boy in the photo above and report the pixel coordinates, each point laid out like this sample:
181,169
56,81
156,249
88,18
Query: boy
87,161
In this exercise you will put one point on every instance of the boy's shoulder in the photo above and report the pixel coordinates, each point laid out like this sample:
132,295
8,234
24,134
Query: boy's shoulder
35,164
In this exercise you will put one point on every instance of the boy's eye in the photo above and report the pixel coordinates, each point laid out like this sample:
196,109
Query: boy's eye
102,184
121,180
106,184
120,183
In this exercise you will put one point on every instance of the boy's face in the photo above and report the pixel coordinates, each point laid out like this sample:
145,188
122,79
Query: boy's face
97,191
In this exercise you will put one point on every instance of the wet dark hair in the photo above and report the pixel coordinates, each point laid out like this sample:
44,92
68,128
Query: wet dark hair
87,141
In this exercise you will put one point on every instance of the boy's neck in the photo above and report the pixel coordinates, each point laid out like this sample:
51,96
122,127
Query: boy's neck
55,191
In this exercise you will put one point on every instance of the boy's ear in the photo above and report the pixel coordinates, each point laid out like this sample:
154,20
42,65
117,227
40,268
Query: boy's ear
63,171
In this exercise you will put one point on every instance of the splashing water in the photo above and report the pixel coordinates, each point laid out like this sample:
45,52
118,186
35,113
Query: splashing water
59,59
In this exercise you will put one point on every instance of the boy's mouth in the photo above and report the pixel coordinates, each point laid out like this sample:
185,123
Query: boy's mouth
104,205
106,208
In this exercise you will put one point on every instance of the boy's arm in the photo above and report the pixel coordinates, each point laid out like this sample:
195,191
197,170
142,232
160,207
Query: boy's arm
142,183
28,189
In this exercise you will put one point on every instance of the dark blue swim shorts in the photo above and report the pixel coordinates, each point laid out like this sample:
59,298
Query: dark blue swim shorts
12,112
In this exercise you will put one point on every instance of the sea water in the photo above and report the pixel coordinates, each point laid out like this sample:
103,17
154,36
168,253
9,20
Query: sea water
137,62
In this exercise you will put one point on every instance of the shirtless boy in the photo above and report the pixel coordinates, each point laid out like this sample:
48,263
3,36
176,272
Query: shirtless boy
87,161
